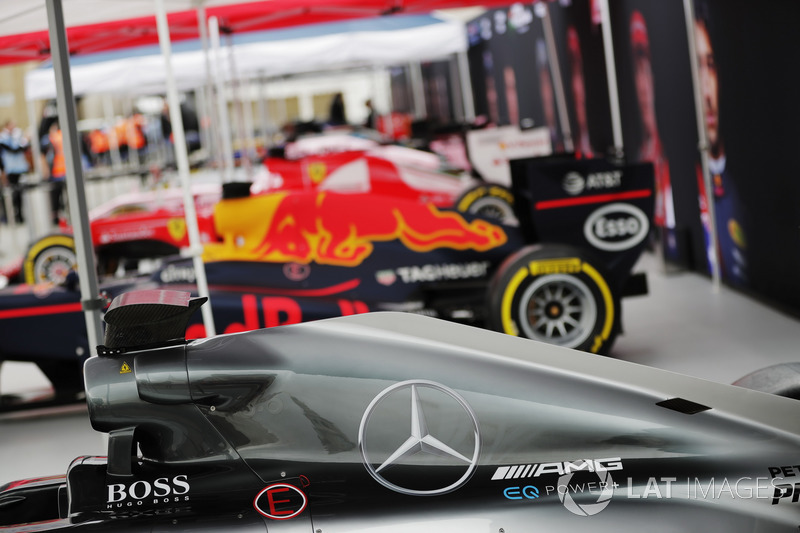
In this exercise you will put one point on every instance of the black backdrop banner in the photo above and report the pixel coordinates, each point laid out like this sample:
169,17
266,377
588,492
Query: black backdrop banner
749,78
752,54
658,121
503,66
579,45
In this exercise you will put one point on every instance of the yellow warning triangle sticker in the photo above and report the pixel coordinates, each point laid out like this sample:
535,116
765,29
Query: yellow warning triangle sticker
125,368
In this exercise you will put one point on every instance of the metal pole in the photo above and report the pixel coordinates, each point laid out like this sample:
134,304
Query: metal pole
283,106
200,97
373,95
261,109
688,8
222,105
611,75
212,139
108,111
182,160
543,11
130,131
418,91
34,227
243,130
90,302
456,92
466,88
249,135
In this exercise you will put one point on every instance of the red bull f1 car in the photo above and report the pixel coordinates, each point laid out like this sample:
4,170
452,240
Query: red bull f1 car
391,422
299,255
151,224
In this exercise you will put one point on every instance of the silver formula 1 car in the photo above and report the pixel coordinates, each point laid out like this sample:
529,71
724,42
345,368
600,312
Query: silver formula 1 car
393,422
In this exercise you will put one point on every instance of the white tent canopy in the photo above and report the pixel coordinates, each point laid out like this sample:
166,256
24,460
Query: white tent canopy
372,42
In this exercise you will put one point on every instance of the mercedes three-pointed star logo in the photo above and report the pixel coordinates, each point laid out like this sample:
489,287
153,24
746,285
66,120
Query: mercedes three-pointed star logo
420,440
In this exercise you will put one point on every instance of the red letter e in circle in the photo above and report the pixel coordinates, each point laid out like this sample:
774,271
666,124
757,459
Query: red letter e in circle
280,501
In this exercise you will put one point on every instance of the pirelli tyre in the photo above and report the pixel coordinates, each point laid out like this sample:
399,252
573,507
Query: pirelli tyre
492,202
782,379
554,294
50,259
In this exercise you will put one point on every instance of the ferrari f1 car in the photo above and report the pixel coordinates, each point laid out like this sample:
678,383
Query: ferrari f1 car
294,256
390,422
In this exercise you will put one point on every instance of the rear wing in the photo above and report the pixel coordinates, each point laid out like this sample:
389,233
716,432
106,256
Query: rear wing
598,205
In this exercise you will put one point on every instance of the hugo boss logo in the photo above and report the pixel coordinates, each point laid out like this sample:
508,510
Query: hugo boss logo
162,490
616,227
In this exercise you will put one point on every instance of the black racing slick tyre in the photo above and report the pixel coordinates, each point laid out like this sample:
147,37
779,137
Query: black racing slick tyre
492,202
782,380
554,294
50,259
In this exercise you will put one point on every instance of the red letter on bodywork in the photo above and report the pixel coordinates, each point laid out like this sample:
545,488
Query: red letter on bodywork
275,305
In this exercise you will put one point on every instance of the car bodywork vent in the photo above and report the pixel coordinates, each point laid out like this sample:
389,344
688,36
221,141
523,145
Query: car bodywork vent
683,405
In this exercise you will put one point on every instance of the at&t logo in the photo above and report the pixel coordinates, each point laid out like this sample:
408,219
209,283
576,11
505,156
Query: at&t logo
574,183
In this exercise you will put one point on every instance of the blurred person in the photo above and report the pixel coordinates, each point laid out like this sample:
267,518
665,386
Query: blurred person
337,116
119,135
371,121
191,131
49,116
512,100
130,135
491,89
53,153
729,215
99,147
191,127
583,146
650,148
13,164
166,135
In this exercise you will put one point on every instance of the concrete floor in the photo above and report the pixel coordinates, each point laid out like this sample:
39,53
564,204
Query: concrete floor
683,326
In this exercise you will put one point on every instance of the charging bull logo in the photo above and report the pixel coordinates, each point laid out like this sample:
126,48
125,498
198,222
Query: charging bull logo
340,229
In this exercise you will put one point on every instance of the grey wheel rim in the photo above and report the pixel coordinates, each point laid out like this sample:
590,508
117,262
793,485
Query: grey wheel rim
53,264
558,309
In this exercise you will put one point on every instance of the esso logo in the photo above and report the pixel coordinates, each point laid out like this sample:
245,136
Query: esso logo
616,227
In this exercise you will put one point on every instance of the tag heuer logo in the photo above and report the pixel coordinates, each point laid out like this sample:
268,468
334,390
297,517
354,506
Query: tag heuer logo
386,277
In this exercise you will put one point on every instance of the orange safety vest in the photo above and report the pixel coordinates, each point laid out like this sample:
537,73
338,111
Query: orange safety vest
136,138
121,133
59,167
98,142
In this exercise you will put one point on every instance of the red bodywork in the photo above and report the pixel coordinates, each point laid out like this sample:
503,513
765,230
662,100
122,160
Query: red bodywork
155,219
159,216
